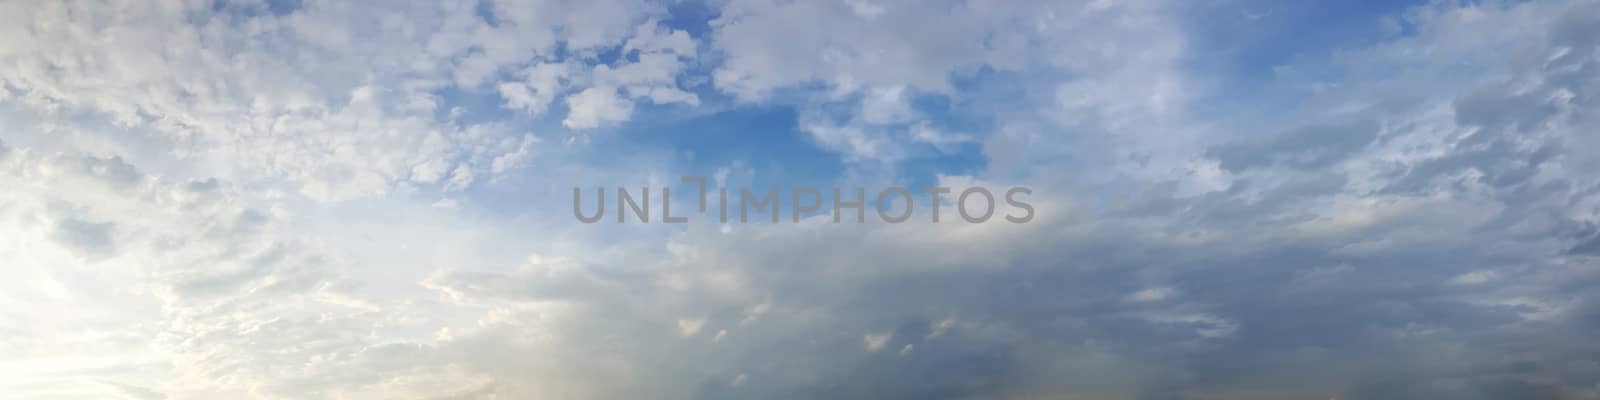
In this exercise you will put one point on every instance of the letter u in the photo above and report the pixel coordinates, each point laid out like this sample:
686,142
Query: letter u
577,210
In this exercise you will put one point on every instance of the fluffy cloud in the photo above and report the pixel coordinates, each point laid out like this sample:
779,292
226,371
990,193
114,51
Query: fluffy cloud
595,106
312,94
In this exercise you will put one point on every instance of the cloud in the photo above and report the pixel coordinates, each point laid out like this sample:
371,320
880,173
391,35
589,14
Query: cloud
544,83
1307,148
771,45
240,201
87,238
308,97
596,106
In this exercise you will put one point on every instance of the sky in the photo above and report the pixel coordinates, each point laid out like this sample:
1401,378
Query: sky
1234,199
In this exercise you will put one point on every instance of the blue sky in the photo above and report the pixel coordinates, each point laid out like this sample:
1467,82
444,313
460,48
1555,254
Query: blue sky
1234,199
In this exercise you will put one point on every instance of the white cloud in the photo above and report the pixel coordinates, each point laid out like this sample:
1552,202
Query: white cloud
886,106
1152,294
925,133
875,341
1474,277
597,106
543,84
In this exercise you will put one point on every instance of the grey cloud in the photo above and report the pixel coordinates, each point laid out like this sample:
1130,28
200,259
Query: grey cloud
90,239
1587,246
1310,147
1520,128
1248,319
110,170
1497,107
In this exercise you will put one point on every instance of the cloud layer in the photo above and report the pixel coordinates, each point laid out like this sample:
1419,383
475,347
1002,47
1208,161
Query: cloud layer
312,199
